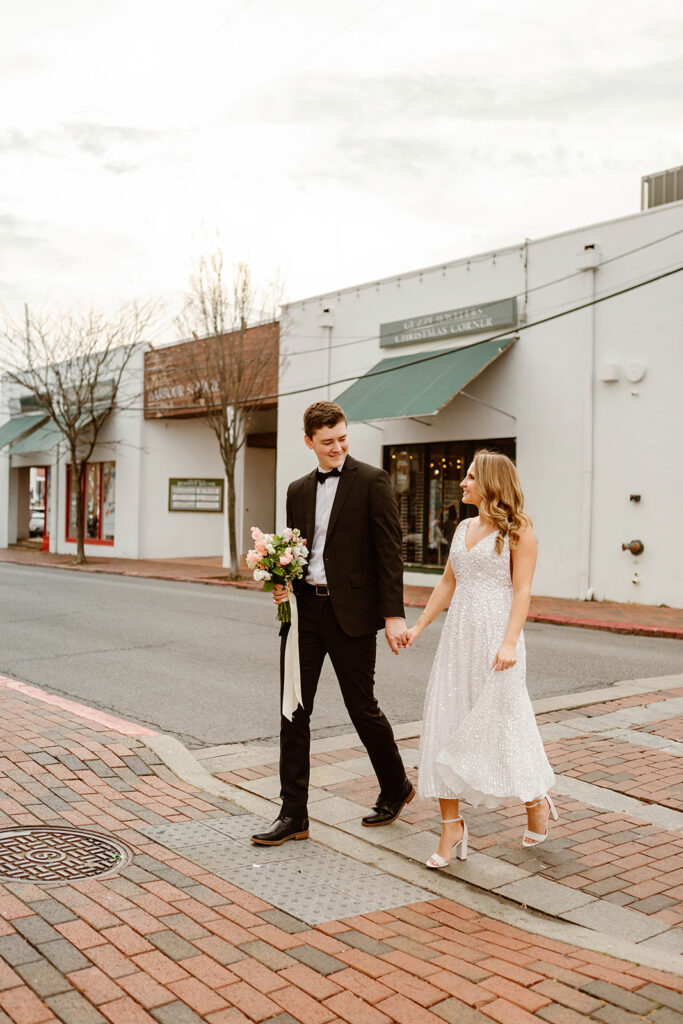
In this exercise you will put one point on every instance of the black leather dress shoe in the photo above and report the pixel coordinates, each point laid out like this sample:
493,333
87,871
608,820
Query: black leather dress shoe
384,812
281,831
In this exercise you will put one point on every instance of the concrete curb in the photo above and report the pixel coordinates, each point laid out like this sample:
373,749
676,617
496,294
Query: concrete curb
604,625
247,755
509,907
486,885
607,626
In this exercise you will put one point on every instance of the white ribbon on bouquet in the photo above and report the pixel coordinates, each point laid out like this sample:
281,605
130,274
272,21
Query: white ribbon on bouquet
291,691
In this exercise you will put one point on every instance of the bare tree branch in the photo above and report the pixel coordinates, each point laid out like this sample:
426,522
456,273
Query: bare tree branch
73,364
228,358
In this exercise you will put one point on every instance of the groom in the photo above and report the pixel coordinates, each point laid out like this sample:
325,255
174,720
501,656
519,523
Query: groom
353,587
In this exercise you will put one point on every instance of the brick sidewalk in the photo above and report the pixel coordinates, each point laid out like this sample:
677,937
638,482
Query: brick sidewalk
639,619
165,940
627,863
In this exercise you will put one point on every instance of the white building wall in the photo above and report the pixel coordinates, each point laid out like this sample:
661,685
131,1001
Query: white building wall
177,448
582,445
358,313
569,504
148,453
5,476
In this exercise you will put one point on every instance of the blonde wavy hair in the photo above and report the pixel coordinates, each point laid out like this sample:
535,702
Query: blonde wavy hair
502,501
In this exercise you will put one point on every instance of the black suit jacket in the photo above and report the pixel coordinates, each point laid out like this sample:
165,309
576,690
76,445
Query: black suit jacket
362,555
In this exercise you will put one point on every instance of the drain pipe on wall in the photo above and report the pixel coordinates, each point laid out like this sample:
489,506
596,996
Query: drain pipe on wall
588,260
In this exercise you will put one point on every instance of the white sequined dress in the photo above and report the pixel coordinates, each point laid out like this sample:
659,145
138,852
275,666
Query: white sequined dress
480,741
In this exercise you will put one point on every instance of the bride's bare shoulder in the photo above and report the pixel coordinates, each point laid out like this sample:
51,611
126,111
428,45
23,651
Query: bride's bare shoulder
526,539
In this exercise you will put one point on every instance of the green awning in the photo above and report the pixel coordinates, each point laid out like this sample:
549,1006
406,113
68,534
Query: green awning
404,386
42,440
49,435
18,425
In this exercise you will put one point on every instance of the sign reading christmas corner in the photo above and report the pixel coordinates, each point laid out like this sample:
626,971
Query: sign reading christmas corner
449,324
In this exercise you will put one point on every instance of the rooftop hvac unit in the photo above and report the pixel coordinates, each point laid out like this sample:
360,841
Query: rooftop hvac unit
663,187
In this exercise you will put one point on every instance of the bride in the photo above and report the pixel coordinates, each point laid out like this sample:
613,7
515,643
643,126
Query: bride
480,742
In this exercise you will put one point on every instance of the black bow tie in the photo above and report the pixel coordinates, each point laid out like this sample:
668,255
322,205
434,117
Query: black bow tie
322,477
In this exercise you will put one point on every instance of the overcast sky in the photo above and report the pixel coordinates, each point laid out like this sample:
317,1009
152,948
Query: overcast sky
337,141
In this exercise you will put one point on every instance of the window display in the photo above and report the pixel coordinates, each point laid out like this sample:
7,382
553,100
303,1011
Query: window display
92,501
99,504
108,501
426,480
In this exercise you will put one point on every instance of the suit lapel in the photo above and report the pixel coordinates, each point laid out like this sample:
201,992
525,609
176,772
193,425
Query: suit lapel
346,482
310,488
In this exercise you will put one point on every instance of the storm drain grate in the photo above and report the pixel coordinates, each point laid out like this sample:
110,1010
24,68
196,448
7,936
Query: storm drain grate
53,854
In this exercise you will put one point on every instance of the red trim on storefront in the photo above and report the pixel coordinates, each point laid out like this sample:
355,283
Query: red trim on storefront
89,540
96,541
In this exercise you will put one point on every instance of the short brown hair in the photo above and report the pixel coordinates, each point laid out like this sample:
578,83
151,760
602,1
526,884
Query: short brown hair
322,414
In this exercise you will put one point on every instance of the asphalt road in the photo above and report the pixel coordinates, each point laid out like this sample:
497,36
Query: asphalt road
201,662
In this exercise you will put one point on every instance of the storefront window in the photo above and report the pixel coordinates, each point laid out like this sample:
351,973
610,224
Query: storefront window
72,505
92,501
426,480
99,504
108,500
446,470
406,469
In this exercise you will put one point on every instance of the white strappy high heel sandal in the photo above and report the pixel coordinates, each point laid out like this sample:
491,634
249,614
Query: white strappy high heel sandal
535,838
459,848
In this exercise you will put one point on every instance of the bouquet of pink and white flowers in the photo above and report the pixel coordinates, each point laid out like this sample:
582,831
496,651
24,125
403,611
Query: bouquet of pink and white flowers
278,558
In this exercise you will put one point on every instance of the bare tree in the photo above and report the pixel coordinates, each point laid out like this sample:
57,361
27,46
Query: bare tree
74,365
230,364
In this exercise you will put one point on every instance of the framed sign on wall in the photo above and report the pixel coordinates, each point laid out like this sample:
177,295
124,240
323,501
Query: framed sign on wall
452,323
189,495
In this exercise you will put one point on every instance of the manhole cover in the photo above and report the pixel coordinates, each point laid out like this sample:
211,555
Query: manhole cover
45,854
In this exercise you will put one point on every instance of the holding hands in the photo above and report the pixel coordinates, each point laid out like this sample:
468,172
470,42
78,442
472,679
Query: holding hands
399,635
394,631
411,635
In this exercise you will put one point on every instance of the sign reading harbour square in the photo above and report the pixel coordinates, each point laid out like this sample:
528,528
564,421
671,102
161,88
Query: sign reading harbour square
450,324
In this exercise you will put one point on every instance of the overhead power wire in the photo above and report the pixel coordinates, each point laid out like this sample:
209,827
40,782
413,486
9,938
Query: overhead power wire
496,337
444,352
359,339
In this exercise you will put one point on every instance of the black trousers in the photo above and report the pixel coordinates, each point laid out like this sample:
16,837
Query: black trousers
353,660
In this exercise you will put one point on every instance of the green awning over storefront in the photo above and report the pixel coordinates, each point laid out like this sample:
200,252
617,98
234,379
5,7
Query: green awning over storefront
49,435
418,384
42,440
18,425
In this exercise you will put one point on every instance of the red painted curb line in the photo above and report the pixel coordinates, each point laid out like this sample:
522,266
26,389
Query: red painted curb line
607,626
82,710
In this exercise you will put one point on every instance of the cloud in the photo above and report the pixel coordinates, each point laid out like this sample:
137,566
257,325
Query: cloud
98,139
23,63
18,234
119,167
88,137
550,97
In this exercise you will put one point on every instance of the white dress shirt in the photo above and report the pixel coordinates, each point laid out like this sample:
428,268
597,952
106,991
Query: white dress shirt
324,499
